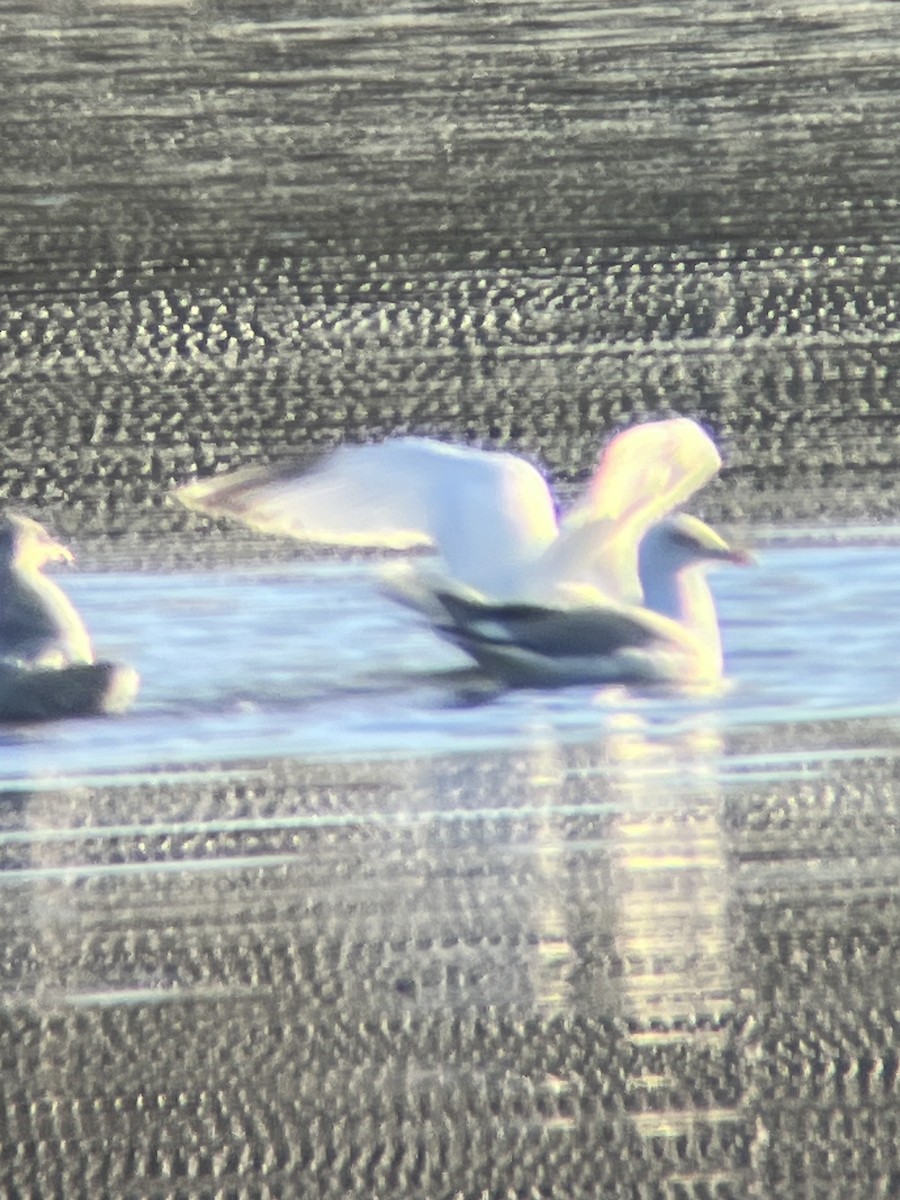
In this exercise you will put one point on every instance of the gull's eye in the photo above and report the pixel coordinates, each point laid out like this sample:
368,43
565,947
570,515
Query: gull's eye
686,541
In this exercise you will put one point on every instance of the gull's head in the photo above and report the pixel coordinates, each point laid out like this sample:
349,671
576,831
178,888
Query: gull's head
27,545
682,541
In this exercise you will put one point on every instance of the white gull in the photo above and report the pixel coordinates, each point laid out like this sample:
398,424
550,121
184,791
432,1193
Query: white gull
612,590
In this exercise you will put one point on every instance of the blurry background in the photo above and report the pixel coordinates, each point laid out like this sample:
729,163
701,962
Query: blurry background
232,230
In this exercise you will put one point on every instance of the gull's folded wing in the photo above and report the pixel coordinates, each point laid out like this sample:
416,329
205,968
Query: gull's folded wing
533,645
591,630
29,693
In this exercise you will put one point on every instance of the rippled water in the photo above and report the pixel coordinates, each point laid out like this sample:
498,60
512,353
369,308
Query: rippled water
321,880
309,660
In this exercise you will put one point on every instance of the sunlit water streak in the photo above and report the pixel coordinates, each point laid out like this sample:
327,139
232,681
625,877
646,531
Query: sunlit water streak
308,660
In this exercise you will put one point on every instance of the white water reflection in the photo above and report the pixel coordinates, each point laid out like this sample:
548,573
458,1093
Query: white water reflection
659,890
570,879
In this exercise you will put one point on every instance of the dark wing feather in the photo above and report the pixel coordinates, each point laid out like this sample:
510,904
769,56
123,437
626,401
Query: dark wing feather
593,630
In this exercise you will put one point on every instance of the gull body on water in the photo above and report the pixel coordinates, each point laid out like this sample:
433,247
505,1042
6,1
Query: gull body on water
614,590
47,664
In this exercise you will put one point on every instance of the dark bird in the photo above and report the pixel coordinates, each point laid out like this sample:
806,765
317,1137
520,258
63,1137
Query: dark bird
47,664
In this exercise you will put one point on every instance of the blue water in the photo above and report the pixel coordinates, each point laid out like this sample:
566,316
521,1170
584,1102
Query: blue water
308,660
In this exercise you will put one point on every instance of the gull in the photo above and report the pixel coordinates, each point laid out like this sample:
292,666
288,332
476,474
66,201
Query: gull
39,625
606,590
672,638
47,663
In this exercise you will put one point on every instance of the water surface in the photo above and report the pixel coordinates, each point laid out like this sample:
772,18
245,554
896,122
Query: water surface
309,659
321,869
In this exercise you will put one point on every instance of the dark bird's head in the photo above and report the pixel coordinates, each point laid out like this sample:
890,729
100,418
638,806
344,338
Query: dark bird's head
26,545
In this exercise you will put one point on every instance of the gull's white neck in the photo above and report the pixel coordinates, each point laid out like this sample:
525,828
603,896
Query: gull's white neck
685,597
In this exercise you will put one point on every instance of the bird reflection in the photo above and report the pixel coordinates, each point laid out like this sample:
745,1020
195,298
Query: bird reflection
640,818
669,875
631,916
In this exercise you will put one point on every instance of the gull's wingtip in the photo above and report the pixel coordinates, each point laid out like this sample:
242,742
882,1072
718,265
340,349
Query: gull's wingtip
184,494
681,438
650,467
190,495
220,494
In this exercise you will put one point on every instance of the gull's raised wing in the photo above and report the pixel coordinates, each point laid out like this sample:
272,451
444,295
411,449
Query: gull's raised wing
643,474
487,514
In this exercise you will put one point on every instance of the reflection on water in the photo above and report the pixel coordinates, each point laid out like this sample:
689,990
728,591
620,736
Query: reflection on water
656,857
595,951
537,898
670,870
